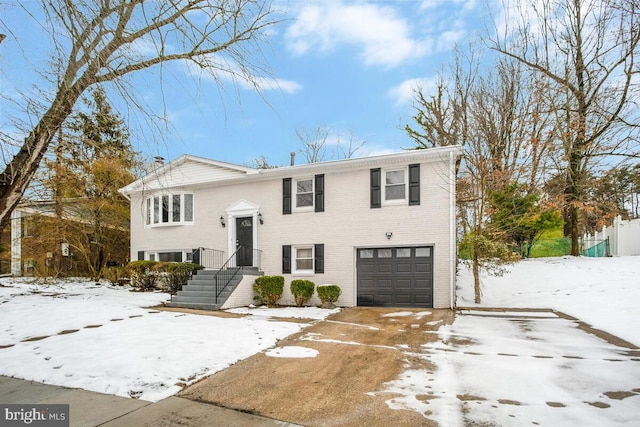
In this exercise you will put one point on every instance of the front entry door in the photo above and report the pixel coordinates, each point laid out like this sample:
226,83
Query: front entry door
244,241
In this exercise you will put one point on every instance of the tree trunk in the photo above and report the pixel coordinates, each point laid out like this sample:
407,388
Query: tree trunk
17,175
476,276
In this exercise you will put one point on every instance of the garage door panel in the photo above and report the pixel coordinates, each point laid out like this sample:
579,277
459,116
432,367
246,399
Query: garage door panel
365,300
423,267
400,277
403,267
366,268
423,299
403,299
404,284
422,284
383,299
385,267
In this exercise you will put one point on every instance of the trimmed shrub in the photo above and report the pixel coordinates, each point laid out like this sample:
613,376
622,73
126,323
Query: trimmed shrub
142,274
269,288
328,294
178,274
302,290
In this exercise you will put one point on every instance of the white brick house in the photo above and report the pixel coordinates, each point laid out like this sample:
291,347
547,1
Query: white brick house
382,228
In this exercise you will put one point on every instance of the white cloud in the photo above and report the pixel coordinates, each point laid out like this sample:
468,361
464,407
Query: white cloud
221,69
382,36
404,92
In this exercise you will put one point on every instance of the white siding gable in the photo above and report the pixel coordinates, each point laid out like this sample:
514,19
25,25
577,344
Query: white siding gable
188,171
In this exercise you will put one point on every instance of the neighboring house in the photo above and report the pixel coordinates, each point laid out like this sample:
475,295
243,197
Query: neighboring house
382,228
39,244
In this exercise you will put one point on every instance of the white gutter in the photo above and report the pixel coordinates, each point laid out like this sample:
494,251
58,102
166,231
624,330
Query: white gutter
452,225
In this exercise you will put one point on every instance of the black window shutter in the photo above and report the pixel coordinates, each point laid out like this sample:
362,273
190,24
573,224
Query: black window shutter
376,193
286,259
286,196
195,256
414,184
319,258
140,255
319,203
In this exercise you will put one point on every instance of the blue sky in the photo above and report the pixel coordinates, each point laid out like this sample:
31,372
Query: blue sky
348,66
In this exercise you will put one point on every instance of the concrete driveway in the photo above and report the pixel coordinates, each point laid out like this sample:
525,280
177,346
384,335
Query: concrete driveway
380,367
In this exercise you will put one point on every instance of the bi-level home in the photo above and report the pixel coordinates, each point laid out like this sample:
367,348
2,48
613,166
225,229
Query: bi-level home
383,228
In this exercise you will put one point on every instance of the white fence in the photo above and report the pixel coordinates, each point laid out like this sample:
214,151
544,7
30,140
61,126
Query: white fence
623,238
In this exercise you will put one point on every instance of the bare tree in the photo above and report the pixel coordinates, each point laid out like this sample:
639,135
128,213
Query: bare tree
585,51
314,143
319,145
352,146
490,116
108,40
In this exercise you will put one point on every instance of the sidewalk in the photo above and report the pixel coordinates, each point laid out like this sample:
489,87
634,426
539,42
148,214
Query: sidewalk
90,409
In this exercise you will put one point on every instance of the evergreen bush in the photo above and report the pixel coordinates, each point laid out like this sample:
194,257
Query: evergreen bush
142,274
178,274
328,294
269,288
302,291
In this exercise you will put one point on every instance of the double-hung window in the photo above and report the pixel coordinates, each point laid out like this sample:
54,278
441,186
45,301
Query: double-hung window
394,189
169,209
303,259
303,194
395,186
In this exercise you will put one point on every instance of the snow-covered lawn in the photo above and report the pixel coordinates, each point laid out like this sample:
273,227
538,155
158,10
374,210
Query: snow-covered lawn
508,368
604,292
529,368
102,338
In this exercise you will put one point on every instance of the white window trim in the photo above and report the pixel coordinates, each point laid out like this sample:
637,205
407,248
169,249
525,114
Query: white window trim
294,201
149,204
294,259
403,201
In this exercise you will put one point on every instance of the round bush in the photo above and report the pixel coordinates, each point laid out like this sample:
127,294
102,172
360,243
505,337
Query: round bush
328,294
269,288
302,290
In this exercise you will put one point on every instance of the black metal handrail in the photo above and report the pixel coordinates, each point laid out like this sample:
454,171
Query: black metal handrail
226,274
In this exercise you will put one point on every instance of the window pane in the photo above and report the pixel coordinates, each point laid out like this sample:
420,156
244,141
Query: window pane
394,192
305,186
403,252
303,253
384,253
148,216
170,257
304,258
423,252
395,177
366,253
175,208
156,210
165,208
304,200
304,193
188,207
304,264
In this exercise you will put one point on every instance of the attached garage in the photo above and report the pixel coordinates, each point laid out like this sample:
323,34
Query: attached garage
395,276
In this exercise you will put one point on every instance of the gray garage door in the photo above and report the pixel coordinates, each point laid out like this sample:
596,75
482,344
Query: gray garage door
395,277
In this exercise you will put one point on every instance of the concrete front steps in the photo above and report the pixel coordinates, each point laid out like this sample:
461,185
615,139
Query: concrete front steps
200,292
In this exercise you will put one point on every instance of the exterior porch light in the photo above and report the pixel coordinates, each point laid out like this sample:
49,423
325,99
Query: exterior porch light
260,218
222,223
